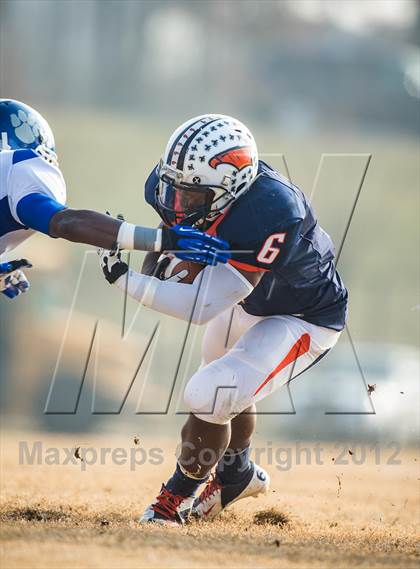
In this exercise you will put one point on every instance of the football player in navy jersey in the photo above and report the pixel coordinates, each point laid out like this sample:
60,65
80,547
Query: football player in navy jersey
33,198
274,310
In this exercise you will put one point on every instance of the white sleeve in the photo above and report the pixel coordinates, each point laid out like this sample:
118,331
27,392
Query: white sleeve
34,176
214,290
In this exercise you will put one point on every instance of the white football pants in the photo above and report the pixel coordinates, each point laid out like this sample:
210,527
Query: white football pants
246,358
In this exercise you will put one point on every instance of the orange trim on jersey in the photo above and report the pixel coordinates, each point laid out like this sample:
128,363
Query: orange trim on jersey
212,229
246,267
300,348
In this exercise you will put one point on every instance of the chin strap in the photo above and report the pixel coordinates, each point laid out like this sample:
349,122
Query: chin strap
193,220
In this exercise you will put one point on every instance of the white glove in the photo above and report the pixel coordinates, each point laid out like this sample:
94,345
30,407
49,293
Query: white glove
112,266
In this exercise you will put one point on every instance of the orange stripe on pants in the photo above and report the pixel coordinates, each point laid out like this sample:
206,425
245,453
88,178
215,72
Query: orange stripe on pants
298,349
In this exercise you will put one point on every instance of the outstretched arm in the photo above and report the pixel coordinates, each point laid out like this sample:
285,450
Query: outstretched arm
85,226
92,228
42,213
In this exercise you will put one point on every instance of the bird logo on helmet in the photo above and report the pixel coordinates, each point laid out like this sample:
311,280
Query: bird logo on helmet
239,157
209,162
21,126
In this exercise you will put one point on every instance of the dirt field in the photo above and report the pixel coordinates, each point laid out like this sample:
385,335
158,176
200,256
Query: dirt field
326,515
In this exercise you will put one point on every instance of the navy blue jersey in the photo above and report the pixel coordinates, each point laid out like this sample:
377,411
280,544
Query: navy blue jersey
272,228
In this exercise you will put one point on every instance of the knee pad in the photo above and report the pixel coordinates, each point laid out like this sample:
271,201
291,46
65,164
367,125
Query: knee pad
211,394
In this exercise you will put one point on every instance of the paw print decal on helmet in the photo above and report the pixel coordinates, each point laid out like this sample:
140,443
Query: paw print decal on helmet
25,127
21,126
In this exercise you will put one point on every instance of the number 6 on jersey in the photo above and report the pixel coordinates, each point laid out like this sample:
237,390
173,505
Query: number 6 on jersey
271,248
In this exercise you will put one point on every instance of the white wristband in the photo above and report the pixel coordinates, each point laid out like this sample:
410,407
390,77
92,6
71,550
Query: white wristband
158,242
136,237
125,236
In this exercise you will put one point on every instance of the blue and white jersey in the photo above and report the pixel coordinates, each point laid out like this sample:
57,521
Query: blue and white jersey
272,228
31,192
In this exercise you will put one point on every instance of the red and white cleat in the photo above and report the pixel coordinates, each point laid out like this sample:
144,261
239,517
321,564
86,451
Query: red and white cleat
167,508
216,496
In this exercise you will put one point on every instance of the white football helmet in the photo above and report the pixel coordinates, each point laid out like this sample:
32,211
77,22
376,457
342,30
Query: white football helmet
209,162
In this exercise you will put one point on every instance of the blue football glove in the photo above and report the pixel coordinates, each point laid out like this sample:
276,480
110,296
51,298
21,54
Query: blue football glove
13,281
191,244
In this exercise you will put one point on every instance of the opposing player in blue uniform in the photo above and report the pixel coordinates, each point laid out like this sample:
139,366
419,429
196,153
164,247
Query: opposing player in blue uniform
272,312
33,198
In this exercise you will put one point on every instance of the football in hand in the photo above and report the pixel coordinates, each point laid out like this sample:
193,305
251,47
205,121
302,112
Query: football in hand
171,268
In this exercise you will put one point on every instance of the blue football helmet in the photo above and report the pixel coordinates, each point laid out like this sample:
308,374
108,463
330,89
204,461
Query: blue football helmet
21,126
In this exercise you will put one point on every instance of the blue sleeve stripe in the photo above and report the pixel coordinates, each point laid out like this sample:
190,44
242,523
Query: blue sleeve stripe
36,210
23,154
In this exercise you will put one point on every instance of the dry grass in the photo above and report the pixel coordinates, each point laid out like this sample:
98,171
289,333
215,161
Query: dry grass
59,516
271,517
